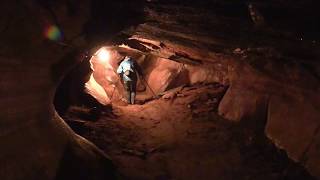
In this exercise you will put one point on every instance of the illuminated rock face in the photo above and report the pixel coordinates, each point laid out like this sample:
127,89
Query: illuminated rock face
159,75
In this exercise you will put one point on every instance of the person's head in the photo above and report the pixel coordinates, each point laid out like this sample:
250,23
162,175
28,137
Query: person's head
126,58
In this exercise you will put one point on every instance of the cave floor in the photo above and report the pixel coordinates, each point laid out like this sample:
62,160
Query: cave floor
180,136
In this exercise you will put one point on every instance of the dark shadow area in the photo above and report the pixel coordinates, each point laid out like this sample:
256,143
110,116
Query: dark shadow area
75,165
71,88
110,17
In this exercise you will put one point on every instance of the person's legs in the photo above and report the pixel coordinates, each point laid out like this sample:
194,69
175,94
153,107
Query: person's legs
133,91
127,86
130,87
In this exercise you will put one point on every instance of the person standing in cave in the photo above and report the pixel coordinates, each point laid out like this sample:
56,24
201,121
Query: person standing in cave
127,71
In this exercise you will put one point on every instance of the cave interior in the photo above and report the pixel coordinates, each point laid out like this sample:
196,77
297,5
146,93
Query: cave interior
229,90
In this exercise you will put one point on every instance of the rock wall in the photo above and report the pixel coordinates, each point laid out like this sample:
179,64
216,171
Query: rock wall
283,103
35,142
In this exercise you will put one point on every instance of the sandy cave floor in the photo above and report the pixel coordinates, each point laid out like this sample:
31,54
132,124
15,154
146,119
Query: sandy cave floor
180,136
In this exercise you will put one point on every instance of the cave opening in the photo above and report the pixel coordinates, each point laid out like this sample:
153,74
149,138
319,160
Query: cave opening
94,86
95,82
105,85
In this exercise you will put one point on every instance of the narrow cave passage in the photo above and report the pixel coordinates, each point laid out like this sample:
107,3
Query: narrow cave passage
230,89
177,134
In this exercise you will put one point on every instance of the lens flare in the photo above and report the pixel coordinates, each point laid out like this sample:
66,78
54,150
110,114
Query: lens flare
53,33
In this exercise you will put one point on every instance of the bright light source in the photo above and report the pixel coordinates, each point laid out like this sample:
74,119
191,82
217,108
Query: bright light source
103,55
